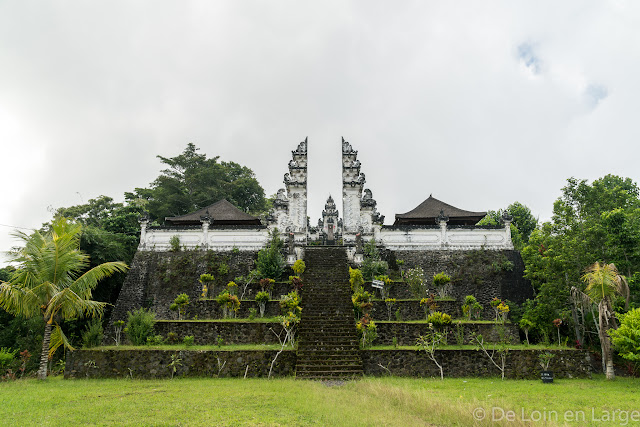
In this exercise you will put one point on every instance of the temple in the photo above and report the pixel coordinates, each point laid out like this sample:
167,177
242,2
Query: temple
432,225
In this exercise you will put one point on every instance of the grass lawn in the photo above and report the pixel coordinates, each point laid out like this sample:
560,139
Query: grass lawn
371,401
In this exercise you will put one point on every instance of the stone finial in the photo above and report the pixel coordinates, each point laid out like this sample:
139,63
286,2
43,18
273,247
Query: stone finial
442,218
506,217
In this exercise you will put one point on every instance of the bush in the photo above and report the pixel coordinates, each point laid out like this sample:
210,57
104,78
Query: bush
372,265
439,319
188,340
415,279
155,340
174,242
262,297
270,261
140,325
290,303
471,307
180,305
355,279
92,335
6,358
626,338
298,267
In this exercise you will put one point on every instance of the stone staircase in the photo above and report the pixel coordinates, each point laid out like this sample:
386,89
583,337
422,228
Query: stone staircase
328,345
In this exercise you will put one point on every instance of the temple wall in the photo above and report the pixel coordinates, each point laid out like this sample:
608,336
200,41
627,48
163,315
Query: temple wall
243,239
444,238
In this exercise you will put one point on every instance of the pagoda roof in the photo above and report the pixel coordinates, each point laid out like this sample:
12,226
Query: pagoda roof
427,212
221,212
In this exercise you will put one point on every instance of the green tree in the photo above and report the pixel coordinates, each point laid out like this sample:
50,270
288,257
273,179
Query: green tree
591,222
52,282
192,181
522,224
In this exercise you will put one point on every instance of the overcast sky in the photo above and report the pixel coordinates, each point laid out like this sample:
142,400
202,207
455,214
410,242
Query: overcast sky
480,103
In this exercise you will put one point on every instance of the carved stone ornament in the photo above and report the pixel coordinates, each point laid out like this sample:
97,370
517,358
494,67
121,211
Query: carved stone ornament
302,148
346,148
506,216
442,217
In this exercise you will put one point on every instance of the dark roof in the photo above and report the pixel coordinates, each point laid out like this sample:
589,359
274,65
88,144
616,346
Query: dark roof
221,212
427,212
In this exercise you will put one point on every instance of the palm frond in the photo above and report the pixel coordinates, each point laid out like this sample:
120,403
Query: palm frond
58,338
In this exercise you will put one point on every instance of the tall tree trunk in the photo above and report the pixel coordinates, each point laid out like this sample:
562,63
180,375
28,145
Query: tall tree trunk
605,341
44,355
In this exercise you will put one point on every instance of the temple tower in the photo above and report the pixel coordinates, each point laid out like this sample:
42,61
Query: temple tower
330,224
359,213
290,207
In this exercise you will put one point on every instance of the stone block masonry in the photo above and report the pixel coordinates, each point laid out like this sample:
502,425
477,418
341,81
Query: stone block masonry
146,363
208,332
484,274
472,363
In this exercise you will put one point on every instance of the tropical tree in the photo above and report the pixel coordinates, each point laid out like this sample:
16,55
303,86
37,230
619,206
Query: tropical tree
603,285
52,281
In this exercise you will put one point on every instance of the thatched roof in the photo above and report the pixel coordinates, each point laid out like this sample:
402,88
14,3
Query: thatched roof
222,213
427,212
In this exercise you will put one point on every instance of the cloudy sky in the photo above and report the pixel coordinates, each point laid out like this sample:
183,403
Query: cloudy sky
480,103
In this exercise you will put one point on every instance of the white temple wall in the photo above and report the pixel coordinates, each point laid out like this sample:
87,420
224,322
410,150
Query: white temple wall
445,238
197,238
351,210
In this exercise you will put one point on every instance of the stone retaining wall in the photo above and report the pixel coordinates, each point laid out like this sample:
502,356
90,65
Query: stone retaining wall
407,333
143,363
482,273
208,332
471,363
411,310
157,363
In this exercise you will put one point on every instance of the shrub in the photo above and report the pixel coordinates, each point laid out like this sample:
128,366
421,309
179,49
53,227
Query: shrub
172,338
229,303
439,319
174,242
372,265
290,303
232,288
180,305
296,282
188,340
270,261
262,298
355,279
367,330
206,279
93,333
626,338
471,307
415,279
298,267
361,303
140,325
267,285
155,340
6,358
441,281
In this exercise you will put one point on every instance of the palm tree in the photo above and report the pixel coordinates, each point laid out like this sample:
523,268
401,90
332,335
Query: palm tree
603,284
51,281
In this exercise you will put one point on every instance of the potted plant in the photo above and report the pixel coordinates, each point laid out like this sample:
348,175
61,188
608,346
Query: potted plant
545,358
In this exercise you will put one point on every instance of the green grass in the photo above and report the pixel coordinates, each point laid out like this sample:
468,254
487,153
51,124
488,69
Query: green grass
224,347
453,321
473,347
228,320
371,401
